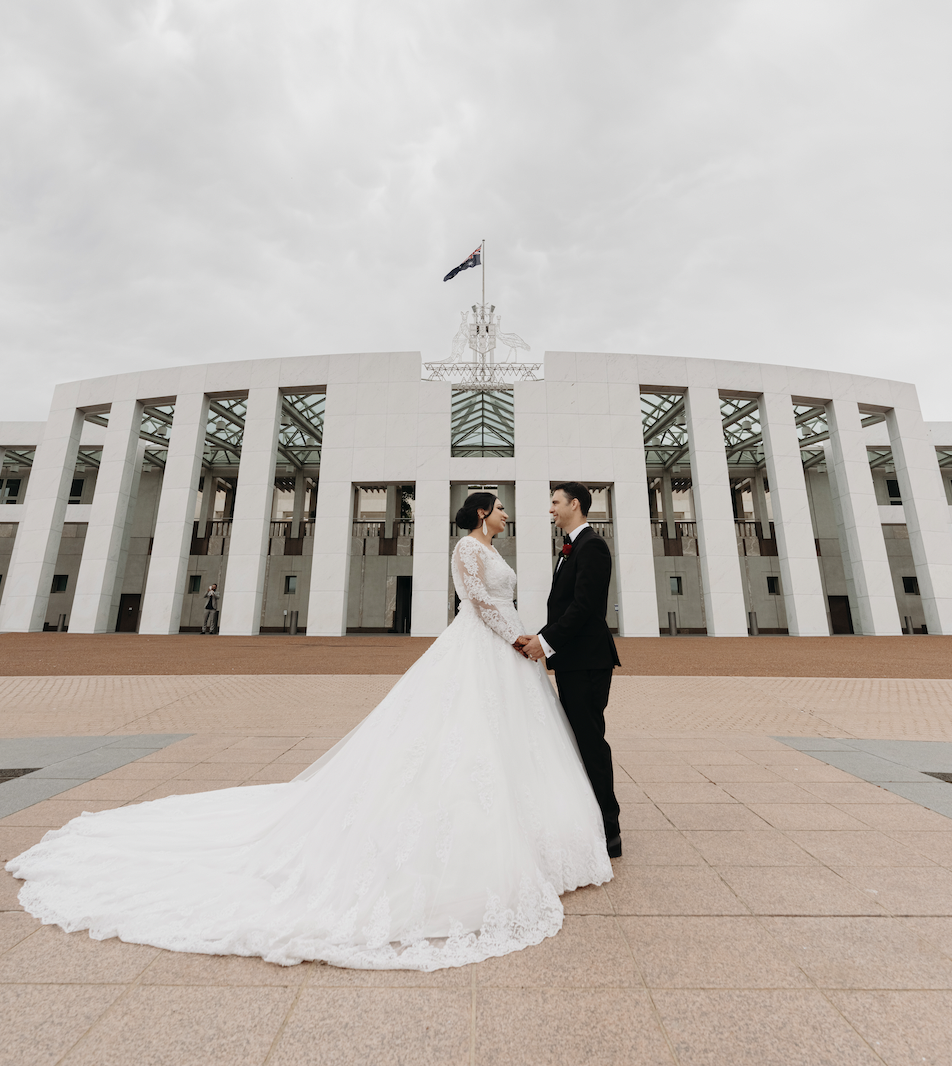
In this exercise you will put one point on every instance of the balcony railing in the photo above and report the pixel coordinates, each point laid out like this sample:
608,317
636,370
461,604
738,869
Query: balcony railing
458,531
399,527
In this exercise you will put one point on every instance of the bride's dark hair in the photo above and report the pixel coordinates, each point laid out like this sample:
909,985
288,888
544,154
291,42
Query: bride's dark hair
467,517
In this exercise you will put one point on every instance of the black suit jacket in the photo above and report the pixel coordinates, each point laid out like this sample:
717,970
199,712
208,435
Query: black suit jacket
576,628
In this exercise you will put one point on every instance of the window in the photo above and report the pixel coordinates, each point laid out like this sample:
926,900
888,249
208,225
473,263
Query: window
773,585
60,582
676,588
11,490
194,582
895,496
910,585
290,584
76,490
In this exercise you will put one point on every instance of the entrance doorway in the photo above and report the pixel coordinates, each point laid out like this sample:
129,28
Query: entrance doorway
840,617
401,610
128,621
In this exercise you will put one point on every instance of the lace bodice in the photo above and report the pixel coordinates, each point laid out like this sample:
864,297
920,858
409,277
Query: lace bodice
485,580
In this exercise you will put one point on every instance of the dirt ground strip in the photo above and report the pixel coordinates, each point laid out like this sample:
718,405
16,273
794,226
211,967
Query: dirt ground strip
113,654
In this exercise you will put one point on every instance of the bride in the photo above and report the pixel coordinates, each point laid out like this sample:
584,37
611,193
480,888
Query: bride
439,832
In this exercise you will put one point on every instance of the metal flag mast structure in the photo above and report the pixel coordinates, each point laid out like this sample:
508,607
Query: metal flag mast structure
480,334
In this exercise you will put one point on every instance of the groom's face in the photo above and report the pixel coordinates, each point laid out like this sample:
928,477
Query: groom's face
562,511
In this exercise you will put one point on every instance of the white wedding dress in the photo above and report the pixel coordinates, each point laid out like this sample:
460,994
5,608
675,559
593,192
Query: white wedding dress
439,832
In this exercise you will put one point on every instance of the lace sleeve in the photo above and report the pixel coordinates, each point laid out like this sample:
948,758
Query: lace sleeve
470,562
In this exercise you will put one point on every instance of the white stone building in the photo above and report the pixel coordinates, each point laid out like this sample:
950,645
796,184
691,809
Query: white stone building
737,497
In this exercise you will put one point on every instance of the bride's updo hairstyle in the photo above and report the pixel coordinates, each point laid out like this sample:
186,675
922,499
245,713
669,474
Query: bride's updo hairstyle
467,517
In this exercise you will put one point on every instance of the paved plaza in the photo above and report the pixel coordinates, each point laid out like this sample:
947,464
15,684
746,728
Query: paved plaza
781,900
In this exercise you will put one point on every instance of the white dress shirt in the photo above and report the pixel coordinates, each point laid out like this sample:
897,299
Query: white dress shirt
575,532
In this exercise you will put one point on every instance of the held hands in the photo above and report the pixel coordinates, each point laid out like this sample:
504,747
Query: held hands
530,647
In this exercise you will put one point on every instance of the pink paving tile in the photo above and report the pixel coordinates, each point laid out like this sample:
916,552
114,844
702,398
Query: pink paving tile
735,952
788,816
795,1027
848,847
671,890
177,1026
42,1022
915,890
903,1028
862,952
563,1027
378,1026
800,890
744,847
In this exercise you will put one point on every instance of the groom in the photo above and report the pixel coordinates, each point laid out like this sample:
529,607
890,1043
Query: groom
578,646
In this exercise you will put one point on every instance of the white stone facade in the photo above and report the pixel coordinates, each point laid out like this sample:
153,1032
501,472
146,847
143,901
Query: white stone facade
104,518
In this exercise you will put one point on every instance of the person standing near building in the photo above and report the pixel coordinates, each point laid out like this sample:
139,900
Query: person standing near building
577,644
210,618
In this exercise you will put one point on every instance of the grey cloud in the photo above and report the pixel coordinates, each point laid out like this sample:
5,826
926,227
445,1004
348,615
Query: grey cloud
196,181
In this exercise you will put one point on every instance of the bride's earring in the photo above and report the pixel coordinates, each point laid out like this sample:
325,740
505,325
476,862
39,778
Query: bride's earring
485,529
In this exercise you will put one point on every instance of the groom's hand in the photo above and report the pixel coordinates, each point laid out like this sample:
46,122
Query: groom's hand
519,643
532,648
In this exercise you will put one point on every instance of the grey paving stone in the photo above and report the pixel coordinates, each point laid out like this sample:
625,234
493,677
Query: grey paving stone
937,796
66,762
870,767
25,791
808,744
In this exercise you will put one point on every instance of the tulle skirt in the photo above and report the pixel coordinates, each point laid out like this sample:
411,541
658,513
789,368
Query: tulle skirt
439,832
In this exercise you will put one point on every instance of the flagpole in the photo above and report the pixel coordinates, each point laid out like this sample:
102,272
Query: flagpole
482,260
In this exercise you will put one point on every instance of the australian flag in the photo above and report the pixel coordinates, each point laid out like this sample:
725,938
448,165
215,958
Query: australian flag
473,261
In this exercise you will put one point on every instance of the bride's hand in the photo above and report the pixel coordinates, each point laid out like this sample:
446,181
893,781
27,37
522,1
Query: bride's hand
519,644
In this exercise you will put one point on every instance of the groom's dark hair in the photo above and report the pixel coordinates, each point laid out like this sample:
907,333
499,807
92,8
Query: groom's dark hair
574,490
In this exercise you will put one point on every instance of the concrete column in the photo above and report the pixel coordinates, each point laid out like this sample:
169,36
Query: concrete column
802,588
103,565
330,564
37,543
717,537
534,559
926,510
392,510
168,565
297,513
759,497
248,549
430,557
634,555
667,503
209,496
868,578
652,503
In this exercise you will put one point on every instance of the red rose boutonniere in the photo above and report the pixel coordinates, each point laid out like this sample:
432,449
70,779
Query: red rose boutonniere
567,548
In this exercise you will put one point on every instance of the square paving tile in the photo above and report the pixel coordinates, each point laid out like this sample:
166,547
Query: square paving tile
801,890
739,952
378,1026
671,890
749,847
589,952
42,1022
915,890
712,816
904,1028
796,1027
863,952
806,816
561,1027
658,848
51,956
177,1026
849,847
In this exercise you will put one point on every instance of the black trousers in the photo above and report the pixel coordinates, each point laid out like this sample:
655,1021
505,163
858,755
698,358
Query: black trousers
584,695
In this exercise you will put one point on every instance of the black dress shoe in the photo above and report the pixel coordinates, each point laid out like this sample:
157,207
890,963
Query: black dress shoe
614,848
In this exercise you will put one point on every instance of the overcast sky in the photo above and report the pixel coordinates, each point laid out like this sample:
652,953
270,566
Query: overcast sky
192,181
